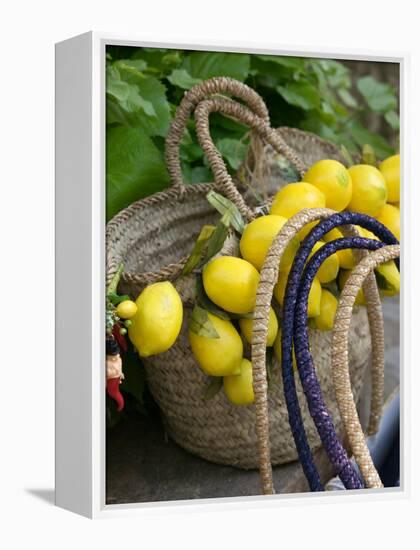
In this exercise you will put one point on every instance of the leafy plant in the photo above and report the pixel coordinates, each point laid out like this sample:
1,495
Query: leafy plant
144,86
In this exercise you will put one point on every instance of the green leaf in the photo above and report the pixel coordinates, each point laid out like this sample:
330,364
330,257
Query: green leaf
130,69
134,99
181,78
213,387
200,324
199,247
363,136
204,301
301,94
113,285
128,98
379,96
203,65
152,90
337,74
368,155
346,155
285,61
223,206
347,98
201,174
116,298
134,168
217,239
393,119
159,60
232,150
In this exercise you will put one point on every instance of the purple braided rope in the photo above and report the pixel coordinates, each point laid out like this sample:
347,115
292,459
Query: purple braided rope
289,304
311,387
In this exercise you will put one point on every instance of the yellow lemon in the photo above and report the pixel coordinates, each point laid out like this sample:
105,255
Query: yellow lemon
332,178
293,197
329,303
231,283
258,237
218,356
157,322
369,190
126,309
345,257
342,278
314,298
273,325
390,217
277,350
366,233
329,267
388,279
280,286
238,388
390,169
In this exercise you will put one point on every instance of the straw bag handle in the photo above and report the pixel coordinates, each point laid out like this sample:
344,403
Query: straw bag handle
268,278
193,101
262,129
212,86
340,363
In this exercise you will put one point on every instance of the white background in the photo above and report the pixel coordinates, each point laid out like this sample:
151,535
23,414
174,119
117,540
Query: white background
28,33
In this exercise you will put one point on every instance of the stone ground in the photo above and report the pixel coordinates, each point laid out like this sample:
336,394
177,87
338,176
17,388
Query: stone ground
143,465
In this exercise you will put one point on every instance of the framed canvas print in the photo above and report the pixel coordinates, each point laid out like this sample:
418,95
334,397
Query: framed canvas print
228,274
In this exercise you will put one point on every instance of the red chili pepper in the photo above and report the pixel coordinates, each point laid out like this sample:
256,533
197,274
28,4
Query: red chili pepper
113,390
122,342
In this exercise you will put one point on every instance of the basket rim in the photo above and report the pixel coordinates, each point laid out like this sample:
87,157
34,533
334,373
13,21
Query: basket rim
170,194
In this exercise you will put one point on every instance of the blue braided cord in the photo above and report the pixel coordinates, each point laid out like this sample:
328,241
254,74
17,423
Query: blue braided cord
289,303
316,404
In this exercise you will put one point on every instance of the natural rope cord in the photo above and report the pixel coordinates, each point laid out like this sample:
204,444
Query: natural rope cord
340,363
242,114
268,278
210,87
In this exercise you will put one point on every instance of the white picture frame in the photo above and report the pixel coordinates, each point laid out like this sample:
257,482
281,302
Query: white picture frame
80,277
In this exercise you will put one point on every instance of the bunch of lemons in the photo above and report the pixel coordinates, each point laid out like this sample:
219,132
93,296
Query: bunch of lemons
231,282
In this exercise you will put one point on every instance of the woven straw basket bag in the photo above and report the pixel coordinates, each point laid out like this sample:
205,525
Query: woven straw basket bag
153,239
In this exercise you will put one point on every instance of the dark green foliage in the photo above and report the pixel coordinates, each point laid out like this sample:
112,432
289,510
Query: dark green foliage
145,85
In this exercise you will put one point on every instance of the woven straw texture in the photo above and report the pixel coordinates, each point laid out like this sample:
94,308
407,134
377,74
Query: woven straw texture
154,236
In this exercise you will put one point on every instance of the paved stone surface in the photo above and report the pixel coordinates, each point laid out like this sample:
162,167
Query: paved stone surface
143,465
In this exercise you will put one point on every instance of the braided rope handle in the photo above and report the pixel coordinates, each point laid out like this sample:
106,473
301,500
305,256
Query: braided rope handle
308,376
261,128
340,361
268,278
210,87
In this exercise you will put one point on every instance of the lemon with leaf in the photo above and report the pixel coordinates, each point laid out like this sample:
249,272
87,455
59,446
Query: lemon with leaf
220,353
